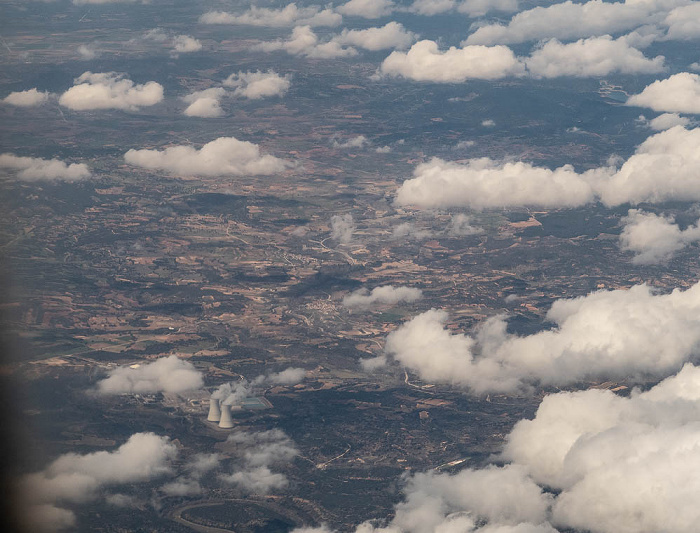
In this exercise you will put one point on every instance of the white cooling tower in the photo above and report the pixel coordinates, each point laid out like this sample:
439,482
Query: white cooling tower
214,410
226,421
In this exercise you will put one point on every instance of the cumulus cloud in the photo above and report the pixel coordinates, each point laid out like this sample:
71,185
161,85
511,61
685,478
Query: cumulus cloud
342,228
429,8
369,9
384,295
100,2
654,238
482,183
167,374
610,464
478,8
409,231
288,376
74,478
683,22
591,445
304,42
425,62
569,20
391,35
663,168
28,98
461,225
183,44
679,93
354,142
635,334
109,90
668,121
205,104
220,157
259,451
257,85
289,15
595,56
87,52
37,169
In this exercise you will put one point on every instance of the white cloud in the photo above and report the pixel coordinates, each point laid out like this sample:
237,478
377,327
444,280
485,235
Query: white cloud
167,374
304,42
206,103
100,2
384,295
290,15
595,56
185,44
109,90
593,446
668,121
78,478
683,22
87,52
610,464
220,157
665,167
35,169
654,238
369,9
484,183
679,93
182,487
256,85
425,62
429,8
569,20
634,334
28,98
408,230
391,35
478,8
353,142
342,228
288,376
373,363
488,123
461,226
260,451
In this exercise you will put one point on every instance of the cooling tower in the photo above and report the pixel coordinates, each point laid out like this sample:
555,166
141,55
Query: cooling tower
214,410
226,421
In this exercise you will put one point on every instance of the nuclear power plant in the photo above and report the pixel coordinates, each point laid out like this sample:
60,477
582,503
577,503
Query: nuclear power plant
214,410
226,421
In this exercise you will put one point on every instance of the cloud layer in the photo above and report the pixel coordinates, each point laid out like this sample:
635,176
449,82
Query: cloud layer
220,157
